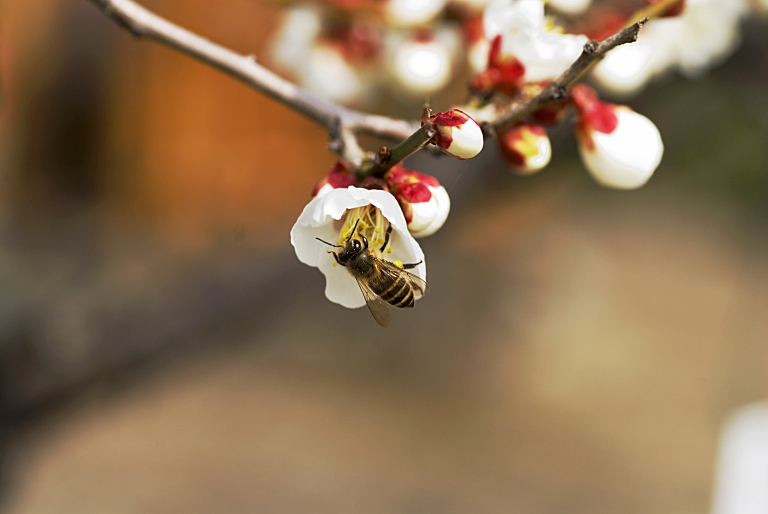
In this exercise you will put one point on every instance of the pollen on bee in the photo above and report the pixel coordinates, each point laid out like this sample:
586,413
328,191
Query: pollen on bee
398,263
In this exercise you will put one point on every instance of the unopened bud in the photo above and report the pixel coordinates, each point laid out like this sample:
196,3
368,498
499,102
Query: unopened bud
339,176
457,135
619,147
425,203
526,148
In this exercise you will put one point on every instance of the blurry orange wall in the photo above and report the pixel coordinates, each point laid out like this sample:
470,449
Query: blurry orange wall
212,154
188,149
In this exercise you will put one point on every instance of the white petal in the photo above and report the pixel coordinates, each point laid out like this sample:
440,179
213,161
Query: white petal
513,17
298,31
424,214
627,157
327,74
340,286
419,67
467,140
626,69
443,202
547,55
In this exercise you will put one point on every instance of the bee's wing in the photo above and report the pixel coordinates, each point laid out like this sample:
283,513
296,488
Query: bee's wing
376,305
419,286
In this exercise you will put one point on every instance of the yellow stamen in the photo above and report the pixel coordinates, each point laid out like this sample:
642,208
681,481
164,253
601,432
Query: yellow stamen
372,224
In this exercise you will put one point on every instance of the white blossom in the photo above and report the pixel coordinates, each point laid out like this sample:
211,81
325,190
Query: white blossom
702,36
332,216
328,74
524,30
295,36
421,64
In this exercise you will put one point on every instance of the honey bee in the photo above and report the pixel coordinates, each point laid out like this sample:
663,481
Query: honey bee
382,282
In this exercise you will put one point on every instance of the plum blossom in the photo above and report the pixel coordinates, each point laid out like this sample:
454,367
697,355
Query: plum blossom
458,134
619,147
334,62
424,201
421,62
526,35
703,35
332,217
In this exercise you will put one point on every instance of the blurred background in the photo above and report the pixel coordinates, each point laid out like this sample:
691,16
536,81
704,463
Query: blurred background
163,350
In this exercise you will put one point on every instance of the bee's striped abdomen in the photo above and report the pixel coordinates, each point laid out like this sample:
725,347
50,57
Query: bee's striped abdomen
396,291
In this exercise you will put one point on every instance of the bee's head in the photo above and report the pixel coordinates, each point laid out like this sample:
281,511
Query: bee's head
354,246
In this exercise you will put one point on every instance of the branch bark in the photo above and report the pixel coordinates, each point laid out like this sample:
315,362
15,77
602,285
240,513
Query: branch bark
557,90
343,125
337,120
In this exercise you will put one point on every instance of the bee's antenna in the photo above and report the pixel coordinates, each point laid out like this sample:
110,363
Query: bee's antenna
353,229
329,244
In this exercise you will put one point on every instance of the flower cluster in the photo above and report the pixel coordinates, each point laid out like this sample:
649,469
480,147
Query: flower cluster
515,49
691,38
389,209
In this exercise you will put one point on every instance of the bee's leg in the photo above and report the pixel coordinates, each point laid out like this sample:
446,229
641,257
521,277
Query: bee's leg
411,266
335,256
386,238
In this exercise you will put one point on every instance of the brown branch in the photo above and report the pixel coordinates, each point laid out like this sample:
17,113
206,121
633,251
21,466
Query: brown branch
557,90
342,124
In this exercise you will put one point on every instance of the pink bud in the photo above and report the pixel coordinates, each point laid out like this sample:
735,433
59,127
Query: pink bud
339,176
457,135
425,203
526,148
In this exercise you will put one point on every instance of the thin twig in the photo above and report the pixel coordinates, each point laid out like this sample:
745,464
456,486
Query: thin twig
144,23
557,90
343,125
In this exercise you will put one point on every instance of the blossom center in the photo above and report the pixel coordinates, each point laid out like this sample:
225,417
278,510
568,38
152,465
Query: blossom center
370,222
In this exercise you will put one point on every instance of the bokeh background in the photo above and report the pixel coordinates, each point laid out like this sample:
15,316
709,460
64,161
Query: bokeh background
162,349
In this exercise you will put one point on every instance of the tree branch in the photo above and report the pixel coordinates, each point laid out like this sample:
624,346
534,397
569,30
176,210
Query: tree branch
341,123
557,90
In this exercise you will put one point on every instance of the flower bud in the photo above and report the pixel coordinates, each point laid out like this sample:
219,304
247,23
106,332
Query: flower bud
330,75
526,148
619,147
339,176
425,203
457,135
503,74
421,62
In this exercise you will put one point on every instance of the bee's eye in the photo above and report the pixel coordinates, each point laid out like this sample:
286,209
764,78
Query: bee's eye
356,245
